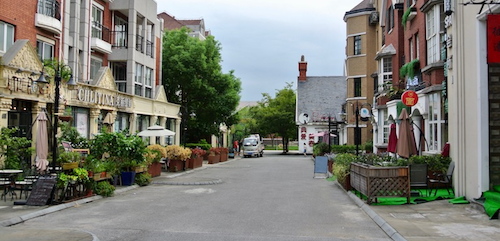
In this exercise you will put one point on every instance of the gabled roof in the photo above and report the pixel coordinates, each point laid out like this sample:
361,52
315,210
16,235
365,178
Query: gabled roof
169,22
364,6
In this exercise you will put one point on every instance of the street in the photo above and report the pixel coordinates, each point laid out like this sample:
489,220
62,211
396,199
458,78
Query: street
274,197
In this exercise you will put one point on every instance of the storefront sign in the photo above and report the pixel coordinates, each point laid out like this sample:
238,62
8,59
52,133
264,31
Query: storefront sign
409,98
493,25
96,97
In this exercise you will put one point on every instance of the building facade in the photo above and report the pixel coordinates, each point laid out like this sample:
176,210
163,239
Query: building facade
360,67
319,103
111,48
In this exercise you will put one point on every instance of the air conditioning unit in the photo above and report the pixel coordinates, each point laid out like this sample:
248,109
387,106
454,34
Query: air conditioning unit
373,18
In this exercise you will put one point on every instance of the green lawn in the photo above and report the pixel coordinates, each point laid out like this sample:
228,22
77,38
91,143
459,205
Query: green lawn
278,147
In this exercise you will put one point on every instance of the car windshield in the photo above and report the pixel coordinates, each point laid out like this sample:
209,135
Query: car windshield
250,142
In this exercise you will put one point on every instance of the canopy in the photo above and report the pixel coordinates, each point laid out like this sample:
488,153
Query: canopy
156,130
42,147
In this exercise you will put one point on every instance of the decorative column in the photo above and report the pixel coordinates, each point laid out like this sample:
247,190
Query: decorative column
163,121
132,126
94,119
152,121
5,105
177,131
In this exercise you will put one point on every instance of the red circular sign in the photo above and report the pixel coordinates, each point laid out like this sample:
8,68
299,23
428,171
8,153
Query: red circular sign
409,98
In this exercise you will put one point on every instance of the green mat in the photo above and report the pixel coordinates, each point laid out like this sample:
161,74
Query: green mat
459,200
492,203
440,195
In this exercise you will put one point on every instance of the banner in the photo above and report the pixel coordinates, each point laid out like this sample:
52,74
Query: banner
493,29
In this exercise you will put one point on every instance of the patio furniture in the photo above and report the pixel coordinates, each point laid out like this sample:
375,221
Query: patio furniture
26,185
443,180
9,187
418,177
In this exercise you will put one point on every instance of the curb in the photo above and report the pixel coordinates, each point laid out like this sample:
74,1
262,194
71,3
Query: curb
388,229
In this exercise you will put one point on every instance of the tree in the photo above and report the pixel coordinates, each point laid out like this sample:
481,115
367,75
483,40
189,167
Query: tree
193,78
277,115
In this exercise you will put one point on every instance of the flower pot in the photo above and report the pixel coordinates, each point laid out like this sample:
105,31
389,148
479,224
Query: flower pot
155,169
69,165
128,178
213,159
223,157
176,165
65,118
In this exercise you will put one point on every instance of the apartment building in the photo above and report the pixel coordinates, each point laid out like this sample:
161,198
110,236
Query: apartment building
197,26
361,35
111,48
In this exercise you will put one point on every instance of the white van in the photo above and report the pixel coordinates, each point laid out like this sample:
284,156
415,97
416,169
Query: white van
253,146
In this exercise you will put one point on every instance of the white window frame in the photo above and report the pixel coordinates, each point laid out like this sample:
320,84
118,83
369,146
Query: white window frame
357,44
97,29
386,127
435,123
417,46
7,33
95,65
385,73
139,79
148,82
42,50
412,49
433,31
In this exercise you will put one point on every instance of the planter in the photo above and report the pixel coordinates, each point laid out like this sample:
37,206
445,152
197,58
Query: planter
213,159
155,169
376,182
195,162
176,165
65,118
69,165
223,157
330,166
128,178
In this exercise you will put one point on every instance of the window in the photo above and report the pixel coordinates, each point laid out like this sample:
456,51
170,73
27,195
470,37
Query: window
148,82
6,36
386,73
120,75
45,50
95,65
97,14
434,28
357,87
436,124
390,19
357,45
138,79
412,50
122,122
120,36
417,46
386,127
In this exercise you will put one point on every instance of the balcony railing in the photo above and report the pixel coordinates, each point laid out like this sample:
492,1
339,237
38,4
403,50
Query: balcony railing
149,48
119,39
139,46
49,8
101,32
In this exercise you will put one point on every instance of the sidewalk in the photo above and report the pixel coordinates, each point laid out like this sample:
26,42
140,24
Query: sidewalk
437,220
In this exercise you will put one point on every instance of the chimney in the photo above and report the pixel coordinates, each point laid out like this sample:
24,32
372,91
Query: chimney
302,69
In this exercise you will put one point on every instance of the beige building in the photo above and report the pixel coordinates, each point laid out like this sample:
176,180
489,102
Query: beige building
359,68
474,98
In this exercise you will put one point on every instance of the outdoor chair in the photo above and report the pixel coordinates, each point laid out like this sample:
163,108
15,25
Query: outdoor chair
443,179
26,185
418,177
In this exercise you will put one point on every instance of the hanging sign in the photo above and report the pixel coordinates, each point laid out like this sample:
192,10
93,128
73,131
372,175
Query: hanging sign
493,29
409,98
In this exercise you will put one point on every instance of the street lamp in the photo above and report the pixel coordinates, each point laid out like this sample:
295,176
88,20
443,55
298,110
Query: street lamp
57,79
357,132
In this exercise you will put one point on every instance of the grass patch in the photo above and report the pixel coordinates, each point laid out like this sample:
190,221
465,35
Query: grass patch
332,178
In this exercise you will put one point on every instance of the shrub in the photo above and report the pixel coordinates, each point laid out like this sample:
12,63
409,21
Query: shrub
176,152
198,152
104,189
320,149
143,179
342,165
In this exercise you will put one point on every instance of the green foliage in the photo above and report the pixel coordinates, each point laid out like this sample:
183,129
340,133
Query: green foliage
104,189
70,134
193,77
143,179
434,162
404,19
127,151
68,156
320,149
277,115
368,146
400,106
203,144
408,69
342,165
82,174
14,149
344,149
51,65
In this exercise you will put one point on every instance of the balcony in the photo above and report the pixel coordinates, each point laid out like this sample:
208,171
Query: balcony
48,16
100,38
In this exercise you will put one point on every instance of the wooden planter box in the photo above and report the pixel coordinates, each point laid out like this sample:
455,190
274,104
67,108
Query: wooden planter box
99,176
376,182
213,159
223,157
195,162
176,165
155,169
69,165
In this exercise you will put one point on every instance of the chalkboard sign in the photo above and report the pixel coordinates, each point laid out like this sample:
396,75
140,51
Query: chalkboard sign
42,191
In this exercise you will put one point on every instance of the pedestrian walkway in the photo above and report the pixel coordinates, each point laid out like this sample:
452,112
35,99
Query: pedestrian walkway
437,220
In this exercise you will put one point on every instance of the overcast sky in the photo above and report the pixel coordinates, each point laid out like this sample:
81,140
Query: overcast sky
262,40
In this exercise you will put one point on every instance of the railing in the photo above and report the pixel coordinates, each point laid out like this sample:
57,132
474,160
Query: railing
101,32
50,8
138,46
149,48
119,39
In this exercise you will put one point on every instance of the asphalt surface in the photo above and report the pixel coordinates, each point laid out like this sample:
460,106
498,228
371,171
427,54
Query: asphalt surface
437,220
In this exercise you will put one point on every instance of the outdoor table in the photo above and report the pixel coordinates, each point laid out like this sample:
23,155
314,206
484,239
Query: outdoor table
11,175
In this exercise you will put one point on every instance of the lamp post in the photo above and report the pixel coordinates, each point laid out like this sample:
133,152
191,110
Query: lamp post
357,131
57,79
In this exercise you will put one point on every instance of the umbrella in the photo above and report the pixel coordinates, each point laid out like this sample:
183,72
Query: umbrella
108,119
406,143
156,130
42,147
393,139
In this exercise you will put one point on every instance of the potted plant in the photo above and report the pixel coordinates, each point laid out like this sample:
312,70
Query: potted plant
196,157
154,154
66,116
69,160
143,179
177,157
104,189
214,155
224,153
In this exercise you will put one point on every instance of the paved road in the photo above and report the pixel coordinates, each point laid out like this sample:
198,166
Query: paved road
270,198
